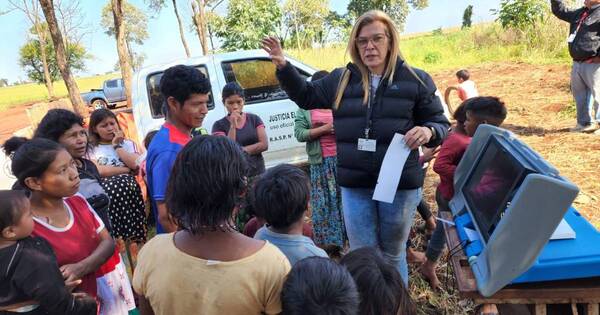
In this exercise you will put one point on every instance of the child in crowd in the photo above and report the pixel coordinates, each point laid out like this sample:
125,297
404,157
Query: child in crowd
319,286
30,281
207,267
380,285
469,115
466,86
281,197
116,158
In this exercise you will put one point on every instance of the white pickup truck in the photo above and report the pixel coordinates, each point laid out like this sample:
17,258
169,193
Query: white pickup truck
254,71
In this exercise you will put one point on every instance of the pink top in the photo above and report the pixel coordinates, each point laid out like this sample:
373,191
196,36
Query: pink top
320,117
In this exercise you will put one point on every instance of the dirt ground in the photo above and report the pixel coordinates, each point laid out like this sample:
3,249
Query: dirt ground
540,113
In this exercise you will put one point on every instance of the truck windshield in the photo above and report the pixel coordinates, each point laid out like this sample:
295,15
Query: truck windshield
257,78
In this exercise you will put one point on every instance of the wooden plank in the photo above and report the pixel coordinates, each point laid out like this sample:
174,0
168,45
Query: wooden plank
593,309
540,309
574,309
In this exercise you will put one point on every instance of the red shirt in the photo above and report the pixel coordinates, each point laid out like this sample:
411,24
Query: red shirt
447,160
77,240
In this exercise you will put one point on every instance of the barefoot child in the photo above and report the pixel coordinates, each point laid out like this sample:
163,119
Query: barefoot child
30,280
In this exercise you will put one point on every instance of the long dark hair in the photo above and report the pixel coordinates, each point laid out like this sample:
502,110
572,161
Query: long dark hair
30,158
95,119
206,182
382,291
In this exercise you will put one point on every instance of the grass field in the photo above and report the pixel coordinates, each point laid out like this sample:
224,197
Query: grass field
16,95
458,49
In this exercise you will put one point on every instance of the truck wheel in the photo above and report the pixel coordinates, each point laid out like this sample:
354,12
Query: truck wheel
98,103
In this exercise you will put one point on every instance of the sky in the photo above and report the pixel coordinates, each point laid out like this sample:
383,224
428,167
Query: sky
164,43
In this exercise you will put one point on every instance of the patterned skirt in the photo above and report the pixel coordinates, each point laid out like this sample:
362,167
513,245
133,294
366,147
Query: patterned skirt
326,204
127,210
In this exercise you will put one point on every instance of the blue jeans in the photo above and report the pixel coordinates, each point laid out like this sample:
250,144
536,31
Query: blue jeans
380,224
585,86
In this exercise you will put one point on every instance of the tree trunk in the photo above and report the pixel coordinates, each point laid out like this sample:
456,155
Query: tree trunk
61,58
199,18
185,45
47,78
124,62
203,25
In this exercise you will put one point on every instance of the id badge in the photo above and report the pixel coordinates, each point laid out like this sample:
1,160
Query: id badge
368,145
571,38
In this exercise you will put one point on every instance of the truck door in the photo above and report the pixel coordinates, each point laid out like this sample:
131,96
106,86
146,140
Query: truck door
265,98
112,91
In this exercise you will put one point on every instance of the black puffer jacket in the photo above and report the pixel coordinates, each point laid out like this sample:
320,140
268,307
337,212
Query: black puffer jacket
587,42
396,109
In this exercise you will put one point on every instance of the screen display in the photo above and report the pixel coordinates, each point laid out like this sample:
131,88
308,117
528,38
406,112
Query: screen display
492,184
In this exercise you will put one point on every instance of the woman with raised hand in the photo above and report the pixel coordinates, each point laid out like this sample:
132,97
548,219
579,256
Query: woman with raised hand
374,97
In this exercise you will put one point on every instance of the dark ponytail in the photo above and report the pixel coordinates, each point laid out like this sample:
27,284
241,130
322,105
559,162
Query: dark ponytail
30,158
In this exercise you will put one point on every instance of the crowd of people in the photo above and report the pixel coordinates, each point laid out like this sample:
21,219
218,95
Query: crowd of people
232,237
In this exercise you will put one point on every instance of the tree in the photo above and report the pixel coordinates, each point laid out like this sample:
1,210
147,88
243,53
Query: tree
157,5
30,59
61,57
397,9
467,17
3,82
31,9
247,22
336,28
129,25
305,18
521,14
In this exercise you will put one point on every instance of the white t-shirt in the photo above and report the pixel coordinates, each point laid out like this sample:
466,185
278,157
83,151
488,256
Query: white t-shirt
105,154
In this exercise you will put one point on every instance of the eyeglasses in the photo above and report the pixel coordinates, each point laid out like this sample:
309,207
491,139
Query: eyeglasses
377,40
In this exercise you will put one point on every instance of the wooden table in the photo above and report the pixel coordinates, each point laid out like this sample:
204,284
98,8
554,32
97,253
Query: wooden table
578,291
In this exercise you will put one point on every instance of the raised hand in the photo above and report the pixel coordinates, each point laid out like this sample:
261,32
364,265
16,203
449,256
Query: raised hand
272,46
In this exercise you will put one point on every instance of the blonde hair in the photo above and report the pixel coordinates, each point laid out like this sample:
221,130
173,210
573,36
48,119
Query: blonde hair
392,56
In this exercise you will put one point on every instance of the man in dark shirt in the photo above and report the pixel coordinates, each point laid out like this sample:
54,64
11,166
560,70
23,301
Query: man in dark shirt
584,47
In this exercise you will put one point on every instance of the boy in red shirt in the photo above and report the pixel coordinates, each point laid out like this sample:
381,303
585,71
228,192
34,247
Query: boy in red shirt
469,115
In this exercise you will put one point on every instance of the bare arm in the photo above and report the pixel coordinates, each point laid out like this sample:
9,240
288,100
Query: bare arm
108,171
317,132
130,159
261,146
164,218
145,307
91,263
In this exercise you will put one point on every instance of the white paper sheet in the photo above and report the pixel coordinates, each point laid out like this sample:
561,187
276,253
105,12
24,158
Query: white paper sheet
391,170
445,221
563,231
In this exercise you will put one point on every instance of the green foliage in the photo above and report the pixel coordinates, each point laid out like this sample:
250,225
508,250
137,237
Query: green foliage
437,31
304,20
520,14
336,29
30,59
397,9
135,20
467,17
432,57
246,23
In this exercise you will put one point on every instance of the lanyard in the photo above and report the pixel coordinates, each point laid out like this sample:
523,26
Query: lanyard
369,107
584,16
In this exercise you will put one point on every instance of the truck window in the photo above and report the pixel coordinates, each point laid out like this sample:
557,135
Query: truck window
111,84
156,100
257,78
